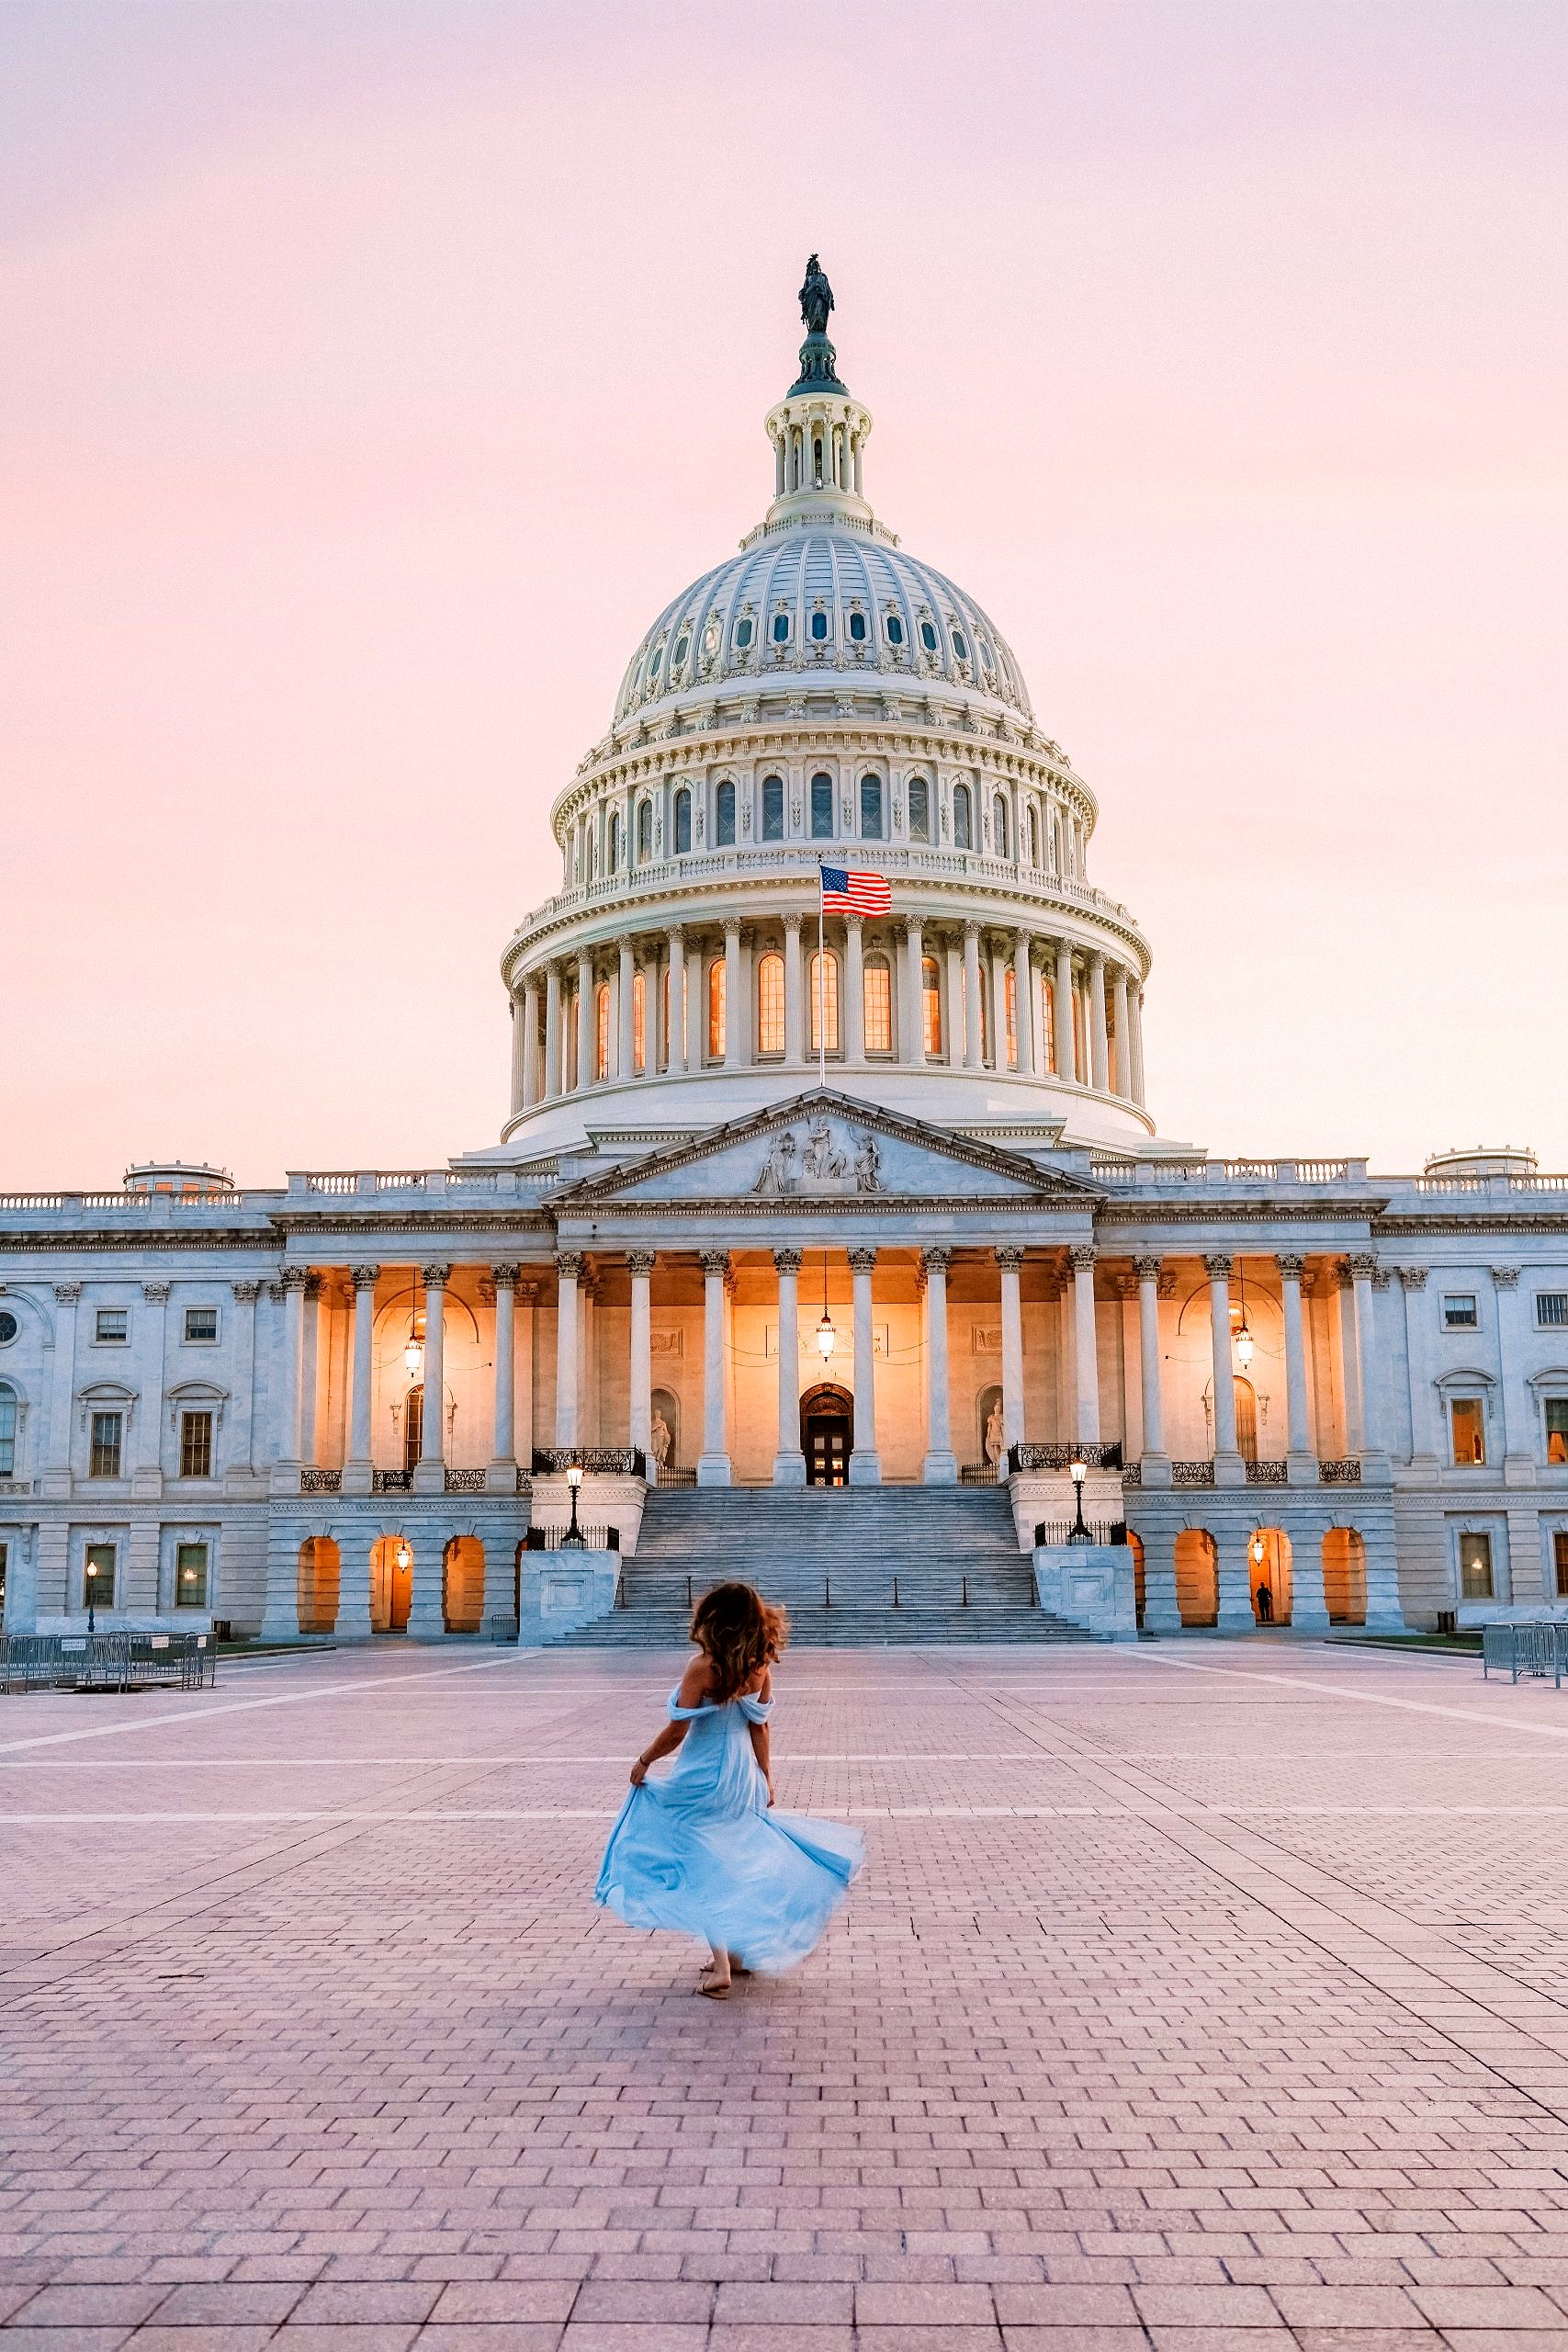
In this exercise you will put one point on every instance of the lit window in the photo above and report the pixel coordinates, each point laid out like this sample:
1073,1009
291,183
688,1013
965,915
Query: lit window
928,635
821,807
111,1326
877,991
107,1430
1560,1560
772,808
1009,1001
7,1432
819,625
640,1021
895,629
201,1325
196,1445
1475,1567
190,1576
1557,1428
602,1031
960,648
931,1005
724,812
1048,1019
770,1004
781,629
870,807
743,634
825,1002
716,1011
644,832
683,822
1000,825
98,1576
1459,1311
1468,1419
857,629
1551,1310
919,810
962,817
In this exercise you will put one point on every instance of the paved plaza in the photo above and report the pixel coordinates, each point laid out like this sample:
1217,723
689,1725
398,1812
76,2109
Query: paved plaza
1196,1995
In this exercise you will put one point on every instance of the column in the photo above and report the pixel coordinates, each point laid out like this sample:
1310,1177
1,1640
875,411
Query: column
519,1040
675,1043
503,1432
1155,1461
585,1022
294,1279
1062,1011
1023,1001
527,1293
1011,1259
652,1012
971,1060
1365,1274
530,1041
1123,1051
241,1443
940,1465
430,1470
852,1012
148,1474
794,994
1518,1467
639,1266
357,1472
1085,1346
1229,1468
1303,1460
866,1466
310,1374
1349,1361
1098,1042
998,977
789,1461
952,1027
911,1011
713,1464
1067,1364
625,1006
1135,1041
552,1033
569,1266
1425,1438
735,1037
695,1001
56,1478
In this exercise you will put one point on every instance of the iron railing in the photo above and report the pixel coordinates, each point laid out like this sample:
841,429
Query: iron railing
1060,1455
120,1659
622,1461
1344,1472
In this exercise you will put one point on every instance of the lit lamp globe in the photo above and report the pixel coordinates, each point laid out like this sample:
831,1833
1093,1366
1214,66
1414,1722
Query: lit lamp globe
574,1535
826,1338
1080,1533
413,1355
1244,1347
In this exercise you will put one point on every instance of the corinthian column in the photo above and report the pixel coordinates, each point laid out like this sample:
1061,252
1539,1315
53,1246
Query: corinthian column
853,1009
1098,1041
865,1465
586,1025
1062,1011
430,1470
1023,1002
1155,1460
1229,1470
972,1055
1302,1462
1010,1261
736,1041
1124,1040
940,1465
552,1032
569,1267
675,1043
789,1461
639,1266
503,1431
713,1464
625,1007
794,995
1085,1347
356,1473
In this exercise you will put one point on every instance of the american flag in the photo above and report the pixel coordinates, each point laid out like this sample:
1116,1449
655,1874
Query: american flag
847,893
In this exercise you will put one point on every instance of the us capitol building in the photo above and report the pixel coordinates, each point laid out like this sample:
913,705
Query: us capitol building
772,1223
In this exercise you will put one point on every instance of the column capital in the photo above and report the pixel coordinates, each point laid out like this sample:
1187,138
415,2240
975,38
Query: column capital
312,1285
1217,1265
504,1277
435,1277
295,1277
1127,1285
1504,1277
570,1265
793,924
365,1277
1094,959
863,1261
1008,1256
156,1293
1412,1277
624,942
1148,1269
1082,1256
67,1294
246,1293
853,919
731,927
1384,1275
971,930
487,1291
787,1261
1292,1265
935,1262
1362,1266
642,1262
1023,941
716,1262
675,933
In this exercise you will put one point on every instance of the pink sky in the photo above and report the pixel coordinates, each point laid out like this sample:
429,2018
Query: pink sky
376,371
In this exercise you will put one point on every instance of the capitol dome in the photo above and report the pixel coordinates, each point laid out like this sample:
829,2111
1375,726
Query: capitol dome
823,698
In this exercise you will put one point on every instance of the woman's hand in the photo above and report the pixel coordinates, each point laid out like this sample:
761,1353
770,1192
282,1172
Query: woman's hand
770,1795
639,1774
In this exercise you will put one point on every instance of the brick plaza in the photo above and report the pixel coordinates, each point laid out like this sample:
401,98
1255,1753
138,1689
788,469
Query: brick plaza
1197,1995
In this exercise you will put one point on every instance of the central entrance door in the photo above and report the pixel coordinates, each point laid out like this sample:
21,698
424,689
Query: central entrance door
827,1434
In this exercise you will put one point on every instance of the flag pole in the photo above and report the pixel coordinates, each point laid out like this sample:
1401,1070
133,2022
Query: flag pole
821,977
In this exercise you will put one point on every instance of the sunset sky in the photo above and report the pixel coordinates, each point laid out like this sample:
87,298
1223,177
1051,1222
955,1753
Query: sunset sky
377,368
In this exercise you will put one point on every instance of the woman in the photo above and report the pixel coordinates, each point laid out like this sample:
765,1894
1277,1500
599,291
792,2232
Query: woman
699,1849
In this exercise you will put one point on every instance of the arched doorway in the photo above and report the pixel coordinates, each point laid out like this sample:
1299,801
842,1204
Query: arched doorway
827,1434
1197,1577
1135,1545
1345,1577
391,1583
463,1585
319,1574
1269,1573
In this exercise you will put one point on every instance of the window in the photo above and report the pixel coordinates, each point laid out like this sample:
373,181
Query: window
1032,833
1000,825
857,629
196,1445
8,1327
414,1426
1556,1429
1009,1001
1551,1310
602,1031
111,1326
961,650
821,807
723,816
825,1002
877,994
107,1429
928,635
1560,1560
683,822
98,1576
201,1326
190,1576
1467,1418
870,807
781,629
817,459
919,810
1055,845
895,629
7,1432
931,1005
819,625
614,842
640,1022
1475,1567
644,832
770,1004
716,1011
656,657
772,808
682,647
962,817
742,635
1459,1311
1047,1022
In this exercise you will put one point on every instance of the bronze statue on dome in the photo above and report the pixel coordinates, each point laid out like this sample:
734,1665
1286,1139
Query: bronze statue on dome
816,298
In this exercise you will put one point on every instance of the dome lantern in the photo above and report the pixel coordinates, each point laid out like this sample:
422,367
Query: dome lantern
819,431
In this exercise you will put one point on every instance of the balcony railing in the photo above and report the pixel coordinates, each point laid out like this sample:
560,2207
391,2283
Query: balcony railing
1192,1474
1059,1456
611,1461
391,1482
466,1482
321,1482
1346,1471
1268,1473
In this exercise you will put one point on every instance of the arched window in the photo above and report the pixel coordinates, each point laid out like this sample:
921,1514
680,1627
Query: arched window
682,647
414,1426
654,659
683,821
919,810
825,1002
772,808
962,817
615,841
7,1431
819,625
895,629
644,832
998,827
781,629
960,648
821,807
928,635
715,1010
877,993
742,635
1032,833
1010,1001
931,1005
1055,844
817,460
857,629
771,1003
602,1031
1048,1020
724,815
870,807
640,1022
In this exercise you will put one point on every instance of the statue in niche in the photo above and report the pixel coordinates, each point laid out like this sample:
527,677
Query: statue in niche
779,1172
996,1433
821,1159
658,1438
816,298
868,1165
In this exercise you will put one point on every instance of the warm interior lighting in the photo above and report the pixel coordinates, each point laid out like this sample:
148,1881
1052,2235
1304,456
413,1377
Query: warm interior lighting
1081,1471
404,1557
1244,1347
1258,1551
826,1338
413,1355
574,1474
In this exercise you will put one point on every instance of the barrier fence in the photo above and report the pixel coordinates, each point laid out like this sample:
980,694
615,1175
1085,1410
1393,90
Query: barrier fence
1533,1652
123,1660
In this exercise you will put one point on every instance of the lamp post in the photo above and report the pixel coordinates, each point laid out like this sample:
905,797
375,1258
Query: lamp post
1078,1533
92,1589
573,1539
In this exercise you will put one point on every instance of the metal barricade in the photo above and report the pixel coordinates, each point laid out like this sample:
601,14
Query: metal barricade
115,1660
1531,1652
501,1629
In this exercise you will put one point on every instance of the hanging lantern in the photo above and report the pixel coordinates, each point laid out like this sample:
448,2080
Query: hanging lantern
826,1338
413,1354
1244,1347
1258,1551
404,1557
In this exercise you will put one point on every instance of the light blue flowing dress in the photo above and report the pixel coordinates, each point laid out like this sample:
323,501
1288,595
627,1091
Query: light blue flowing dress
697,1849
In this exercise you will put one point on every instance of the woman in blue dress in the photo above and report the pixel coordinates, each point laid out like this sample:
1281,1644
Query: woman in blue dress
701,1849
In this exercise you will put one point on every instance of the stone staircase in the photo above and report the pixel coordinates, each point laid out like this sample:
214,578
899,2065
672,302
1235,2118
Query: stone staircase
854,1565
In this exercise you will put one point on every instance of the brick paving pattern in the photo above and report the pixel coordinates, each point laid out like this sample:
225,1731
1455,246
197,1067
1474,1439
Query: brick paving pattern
1200,1996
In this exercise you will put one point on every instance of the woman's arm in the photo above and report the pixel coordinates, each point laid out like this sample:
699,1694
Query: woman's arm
693,1692
761,1746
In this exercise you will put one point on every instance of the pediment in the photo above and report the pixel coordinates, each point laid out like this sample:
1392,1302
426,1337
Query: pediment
825,1145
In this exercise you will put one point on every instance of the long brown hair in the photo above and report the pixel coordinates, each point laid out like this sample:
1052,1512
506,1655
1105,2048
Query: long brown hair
739,1633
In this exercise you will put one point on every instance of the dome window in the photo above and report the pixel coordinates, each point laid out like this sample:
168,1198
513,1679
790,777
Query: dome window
781,629
723,816
614,842
960,645
819,626
962,817
928,635
919,810
821,807
857,629
772,808
645,833
870,807
682,647
743,634
895,629
654,659
683,822
710,638
1000,825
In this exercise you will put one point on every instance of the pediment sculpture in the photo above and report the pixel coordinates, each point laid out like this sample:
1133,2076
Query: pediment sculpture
825,1162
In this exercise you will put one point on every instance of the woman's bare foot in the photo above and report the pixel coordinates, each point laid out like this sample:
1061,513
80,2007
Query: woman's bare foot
738,1966
713,1984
